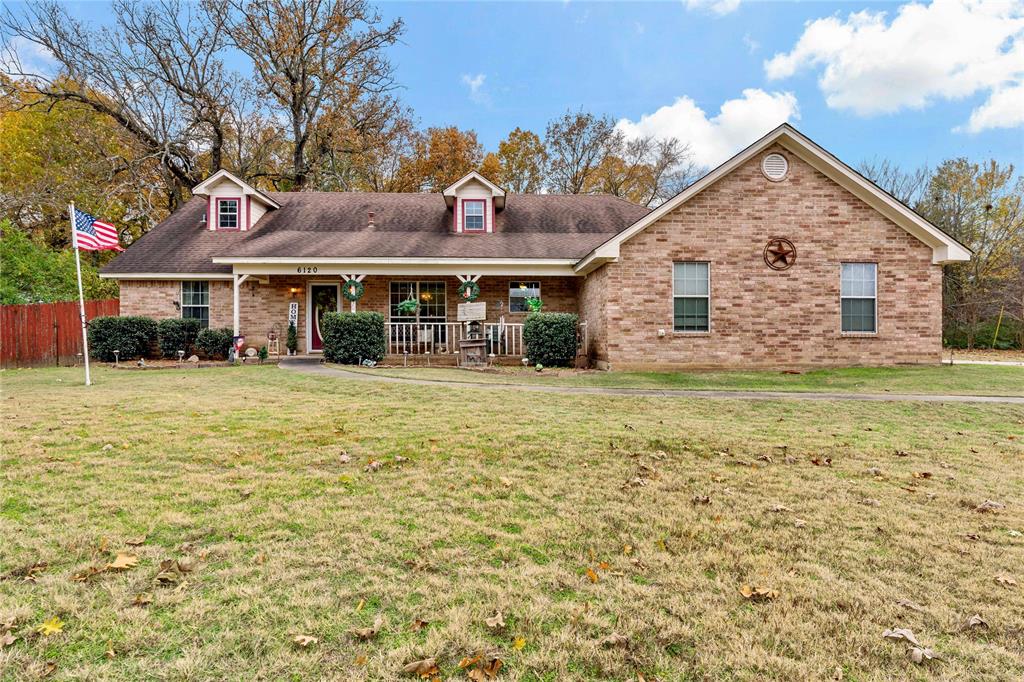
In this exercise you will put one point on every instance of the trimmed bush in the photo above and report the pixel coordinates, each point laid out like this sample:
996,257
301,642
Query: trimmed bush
132,336
550,338
177,334
214,343
350,338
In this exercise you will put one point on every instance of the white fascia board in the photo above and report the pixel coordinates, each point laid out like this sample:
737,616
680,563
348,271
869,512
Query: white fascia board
401,266
945,249
165,275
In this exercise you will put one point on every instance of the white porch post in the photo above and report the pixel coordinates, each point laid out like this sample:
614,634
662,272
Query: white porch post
238,279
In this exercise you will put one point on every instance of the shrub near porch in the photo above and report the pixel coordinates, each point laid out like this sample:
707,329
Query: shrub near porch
350,338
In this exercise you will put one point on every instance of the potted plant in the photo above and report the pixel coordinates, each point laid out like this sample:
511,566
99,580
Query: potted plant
534,304
292,343
409,306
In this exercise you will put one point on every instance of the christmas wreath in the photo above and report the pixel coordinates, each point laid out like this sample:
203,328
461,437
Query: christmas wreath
352,290
468,291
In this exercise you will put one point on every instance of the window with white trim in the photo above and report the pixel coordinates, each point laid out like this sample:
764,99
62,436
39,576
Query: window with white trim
691,296
195,302
519,293
858,293
227,214
473,215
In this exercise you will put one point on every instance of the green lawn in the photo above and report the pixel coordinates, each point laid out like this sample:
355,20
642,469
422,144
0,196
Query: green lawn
946,379
613,534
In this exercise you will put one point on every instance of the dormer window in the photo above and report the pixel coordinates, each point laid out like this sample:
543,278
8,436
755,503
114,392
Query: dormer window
227,214
473,215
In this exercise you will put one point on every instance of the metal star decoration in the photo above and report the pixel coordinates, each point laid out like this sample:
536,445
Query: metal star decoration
779,254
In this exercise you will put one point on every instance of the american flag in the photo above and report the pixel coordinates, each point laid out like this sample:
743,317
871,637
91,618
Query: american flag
95,235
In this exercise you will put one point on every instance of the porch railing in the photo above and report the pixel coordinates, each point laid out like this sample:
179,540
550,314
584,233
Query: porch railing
440,338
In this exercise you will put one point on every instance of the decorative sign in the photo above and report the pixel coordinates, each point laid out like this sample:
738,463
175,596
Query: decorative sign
472,311
779,254
293,313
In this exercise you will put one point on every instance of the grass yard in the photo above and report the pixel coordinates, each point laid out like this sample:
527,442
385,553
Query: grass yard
956,379
612,534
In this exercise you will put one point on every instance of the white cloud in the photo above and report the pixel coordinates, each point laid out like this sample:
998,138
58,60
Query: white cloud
751,44
1004,109
948,50
719,7
713,140
476,88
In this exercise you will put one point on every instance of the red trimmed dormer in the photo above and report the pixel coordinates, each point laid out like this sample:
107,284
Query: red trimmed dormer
232,205
473,200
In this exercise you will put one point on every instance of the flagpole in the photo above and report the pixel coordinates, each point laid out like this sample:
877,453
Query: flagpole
81,293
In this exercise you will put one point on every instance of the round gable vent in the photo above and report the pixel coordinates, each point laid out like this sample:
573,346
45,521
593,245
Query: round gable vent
774,167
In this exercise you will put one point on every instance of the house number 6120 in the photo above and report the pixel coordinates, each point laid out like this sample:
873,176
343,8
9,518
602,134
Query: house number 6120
306,270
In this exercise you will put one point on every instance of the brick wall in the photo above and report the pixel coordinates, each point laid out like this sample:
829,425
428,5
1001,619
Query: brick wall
593,296
157,299
766,318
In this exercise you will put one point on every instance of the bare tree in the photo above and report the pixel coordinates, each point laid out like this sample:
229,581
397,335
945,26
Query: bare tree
576,143
644,170
907,186
314,56
156,73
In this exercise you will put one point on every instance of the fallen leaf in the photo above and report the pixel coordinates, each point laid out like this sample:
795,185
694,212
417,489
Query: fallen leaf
779,508
361,659
922,474
615,640
360,605
821,461
87,574
123,562
423,668
51,627
757,592
604,565
110,653
496,622
875,471
345,458
1006,581
591,575
919,655
399,459
7,639
370,632
700,499
871,502
373,465
976,621
135,542
142,599
627,549
304,641
909,605
799,523
519,643
418,624
468,661
988,506
901,634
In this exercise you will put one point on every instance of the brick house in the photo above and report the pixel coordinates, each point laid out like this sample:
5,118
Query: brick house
783,256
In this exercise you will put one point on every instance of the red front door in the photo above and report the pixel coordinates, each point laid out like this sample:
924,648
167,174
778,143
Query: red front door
323,299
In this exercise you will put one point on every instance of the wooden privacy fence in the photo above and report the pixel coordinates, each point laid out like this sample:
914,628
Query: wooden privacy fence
46,333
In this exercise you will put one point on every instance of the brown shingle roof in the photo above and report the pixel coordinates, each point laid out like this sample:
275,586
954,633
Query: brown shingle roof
334,225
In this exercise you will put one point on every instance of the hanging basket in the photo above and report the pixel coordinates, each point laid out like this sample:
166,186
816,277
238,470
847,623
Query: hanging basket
352,290
468,291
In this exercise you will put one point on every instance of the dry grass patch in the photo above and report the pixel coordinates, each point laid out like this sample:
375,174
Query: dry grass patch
613,535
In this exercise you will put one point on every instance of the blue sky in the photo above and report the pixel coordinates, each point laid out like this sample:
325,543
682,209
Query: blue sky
915,83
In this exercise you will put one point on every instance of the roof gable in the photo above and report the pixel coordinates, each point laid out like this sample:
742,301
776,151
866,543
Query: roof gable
945,249
206,186
449,193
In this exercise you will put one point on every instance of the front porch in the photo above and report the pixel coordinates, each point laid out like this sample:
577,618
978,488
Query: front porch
263,304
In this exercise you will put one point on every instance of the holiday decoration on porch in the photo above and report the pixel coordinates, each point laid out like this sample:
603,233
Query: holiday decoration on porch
779,254
469,290
352,290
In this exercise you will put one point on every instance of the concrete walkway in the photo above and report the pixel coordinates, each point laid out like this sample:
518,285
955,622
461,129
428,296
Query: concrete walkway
308,365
